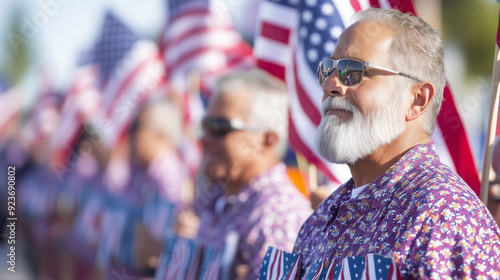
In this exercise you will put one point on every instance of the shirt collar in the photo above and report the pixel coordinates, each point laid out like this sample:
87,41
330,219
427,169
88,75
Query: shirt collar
379,193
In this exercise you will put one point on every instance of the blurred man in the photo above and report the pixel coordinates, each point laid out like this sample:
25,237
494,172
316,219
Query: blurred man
244,139
155,138
159,172
401,201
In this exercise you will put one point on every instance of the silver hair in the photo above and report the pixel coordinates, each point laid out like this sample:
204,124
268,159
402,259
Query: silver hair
269,105
166,118
417,50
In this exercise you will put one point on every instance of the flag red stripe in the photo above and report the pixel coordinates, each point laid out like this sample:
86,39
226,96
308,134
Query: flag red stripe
131,78
238,53
193,54
391,272
279,263
398,272
272,265
192,33
331,271
193,12
231,64
297,143
76,89
275,32
63,153
273,68
367,267
355,5
292,270
498,31
318,272
307,105
404,6
159,38
374,3
457,141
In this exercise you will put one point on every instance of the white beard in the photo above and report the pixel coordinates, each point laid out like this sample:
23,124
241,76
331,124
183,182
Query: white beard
350,141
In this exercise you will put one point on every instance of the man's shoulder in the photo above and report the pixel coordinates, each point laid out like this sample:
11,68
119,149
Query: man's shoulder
282,196
435,180
437,193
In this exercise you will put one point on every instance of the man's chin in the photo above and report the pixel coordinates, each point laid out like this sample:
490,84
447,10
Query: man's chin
216,173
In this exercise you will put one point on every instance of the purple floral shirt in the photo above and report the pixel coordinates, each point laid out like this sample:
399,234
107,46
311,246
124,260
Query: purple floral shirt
267,212
419,212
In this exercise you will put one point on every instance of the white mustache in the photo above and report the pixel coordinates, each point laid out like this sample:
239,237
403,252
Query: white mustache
337,103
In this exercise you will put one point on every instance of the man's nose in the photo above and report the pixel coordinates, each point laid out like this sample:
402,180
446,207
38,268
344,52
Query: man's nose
333,87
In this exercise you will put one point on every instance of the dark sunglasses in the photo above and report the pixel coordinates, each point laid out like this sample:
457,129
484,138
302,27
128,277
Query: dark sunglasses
350,71
220,127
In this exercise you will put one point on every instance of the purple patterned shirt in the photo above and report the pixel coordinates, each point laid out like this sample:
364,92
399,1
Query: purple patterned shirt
419,212
267,212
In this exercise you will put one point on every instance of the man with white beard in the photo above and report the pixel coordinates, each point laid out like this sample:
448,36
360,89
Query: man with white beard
382,90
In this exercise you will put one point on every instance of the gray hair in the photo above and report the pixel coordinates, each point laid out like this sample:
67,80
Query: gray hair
166,118
269,105
417,50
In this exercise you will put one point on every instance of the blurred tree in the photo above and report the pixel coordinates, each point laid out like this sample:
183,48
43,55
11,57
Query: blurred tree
17,47
473,25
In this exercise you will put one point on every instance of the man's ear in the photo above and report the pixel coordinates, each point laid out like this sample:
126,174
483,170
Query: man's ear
421,97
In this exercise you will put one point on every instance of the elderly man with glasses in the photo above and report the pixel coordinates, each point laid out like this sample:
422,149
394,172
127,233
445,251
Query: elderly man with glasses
244,139
382,90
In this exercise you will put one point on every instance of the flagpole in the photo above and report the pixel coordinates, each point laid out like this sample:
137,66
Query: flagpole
492,124
313,177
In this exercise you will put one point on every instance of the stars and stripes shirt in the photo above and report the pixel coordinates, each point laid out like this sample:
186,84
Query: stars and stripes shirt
419,212
267,212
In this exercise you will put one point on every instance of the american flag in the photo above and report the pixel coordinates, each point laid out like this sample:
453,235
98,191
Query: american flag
130,71
118,74
210,264
316,271
353,268
198,38
279,265
368,267
178,255
80,101
294,35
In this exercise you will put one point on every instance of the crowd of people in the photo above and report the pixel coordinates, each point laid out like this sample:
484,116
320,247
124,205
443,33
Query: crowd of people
110,211
122,211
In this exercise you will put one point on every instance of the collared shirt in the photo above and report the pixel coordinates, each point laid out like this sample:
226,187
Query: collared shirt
267,212
419,212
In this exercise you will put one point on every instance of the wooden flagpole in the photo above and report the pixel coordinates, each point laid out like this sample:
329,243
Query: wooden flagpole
492,122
